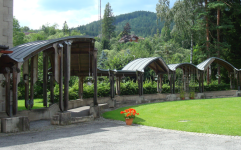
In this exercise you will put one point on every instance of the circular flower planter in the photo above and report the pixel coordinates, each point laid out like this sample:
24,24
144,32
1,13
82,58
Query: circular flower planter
129,121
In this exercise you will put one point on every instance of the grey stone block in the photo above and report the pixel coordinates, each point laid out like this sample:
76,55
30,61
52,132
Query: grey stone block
112,103
201,96
140,100
15,124
8,3
95,111
64,118
82,119
171,97
238,93
55,120
8,18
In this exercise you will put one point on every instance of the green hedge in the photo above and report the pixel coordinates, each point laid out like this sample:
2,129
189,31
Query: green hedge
130,88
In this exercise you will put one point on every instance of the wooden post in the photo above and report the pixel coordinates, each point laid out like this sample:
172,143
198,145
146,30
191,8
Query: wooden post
34,77
67,53
160,78
45,78
81,81
158,83
230,76
140,83
8,105
51,88
15,90
26,80
94,61
117,85
111,76
199,81
173,83
60,75
142,78
238,81
170,80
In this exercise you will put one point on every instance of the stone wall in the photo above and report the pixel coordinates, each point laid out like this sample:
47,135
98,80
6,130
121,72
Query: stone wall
6,37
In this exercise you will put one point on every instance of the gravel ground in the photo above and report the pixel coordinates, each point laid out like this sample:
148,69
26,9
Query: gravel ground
108,134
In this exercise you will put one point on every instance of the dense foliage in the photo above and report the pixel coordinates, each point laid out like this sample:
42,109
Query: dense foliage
191,31
142,23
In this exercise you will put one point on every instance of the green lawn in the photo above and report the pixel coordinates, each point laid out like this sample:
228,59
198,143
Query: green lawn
215,116
38,103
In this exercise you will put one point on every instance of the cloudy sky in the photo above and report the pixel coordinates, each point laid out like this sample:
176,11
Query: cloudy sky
35,13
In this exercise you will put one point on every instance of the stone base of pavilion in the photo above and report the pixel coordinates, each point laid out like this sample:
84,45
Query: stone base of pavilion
52,113
14,124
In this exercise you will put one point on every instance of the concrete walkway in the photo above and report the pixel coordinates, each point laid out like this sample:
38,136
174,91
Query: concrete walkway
108,134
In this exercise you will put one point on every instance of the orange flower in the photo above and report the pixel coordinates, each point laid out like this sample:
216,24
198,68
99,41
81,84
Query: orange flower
130,113
122,112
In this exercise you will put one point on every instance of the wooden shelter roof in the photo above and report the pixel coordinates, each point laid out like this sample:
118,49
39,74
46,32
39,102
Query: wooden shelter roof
204,65
173,67
155,63
82,48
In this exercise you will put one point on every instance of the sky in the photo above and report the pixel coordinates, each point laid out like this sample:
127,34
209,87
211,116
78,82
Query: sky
35,13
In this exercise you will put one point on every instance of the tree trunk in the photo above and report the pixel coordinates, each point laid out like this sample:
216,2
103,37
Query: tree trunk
207,40
218,40
191,47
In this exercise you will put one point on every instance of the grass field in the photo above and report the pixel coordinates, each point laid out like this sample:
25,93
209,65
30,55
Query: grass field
38,103
215,116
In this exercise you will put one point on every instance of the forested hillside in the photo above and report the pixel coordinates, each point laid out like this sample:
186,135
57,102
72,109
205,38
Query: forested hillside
142,23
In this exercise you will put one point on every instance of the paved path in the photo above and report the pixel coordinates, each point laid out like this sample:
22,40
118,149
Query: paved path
107,134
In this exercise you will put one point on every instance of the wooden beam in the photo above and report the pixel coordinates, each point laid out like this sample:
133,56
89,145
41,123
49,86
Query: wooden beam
118,91
51,88
67,53
8,106
173,87
94,61
34,78
112,82
56,62
26,81
81,82
15,90
45,78
60,75
158,83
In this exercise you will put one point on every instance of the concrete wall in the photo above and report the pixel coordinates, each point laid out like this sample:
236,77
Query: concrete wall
6,36
6,23
47,113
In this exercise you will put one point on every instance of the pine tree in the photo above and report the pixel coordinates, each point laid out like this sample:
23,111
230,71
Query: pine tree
65,28
127,29
108,27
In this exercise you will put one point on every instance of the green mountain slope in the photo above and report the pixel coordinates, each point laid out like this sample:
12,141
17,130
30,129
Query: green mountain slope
142,23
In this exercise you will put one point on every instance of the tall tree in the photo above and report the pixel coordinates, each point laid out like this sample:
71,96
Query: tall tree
126,30
108,27
65,28
185,15
18,36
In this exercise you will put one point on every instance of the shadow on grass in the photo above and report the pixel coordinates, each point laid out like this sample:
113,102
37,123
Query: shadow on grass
138,120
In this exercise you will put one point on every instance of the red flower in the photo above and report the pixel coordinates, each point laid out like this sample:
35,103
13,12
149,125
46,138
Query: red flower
128,114
122,112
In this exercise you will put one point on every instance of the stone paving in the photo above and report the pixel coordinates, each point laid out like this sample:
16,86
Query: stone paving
109,134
